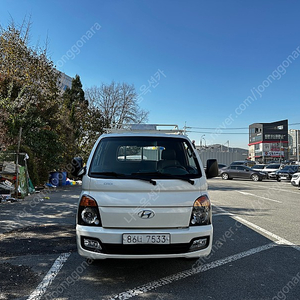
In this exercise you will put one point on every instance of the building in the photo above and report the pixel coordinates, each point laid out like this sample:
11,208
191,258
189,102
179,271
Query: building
268,142
64,81
294,144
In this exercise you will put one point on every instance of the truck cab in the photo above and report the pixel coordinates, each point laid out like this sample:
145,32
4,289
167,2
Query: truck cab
144,195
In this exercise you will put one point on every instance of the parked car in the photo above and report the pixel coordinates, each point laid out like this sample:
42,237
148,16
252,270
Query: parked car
258,167
287,172
220,167
248,163
296,179
242,172
271,169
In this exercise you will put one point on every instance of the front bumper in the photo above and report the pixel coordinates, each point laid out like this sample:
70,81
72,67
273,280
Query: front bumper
111,243
284,176
271,175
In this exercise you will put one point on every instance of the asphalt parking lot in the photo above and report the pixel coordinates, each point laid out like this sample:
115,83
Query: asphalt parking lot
255,255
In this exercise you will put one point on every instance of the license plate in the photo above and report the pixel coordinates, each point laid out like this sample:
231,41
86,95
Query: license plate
283,177
154,239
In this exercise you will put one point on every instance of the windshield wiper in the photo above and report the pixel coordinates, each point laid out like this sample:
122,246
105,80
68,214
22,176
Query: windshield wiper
117,175
136,175
145,179
164,175
192,182
144,176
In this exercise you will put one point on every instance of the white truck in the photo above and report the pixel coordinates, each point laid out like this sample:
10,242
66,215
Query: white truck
144,195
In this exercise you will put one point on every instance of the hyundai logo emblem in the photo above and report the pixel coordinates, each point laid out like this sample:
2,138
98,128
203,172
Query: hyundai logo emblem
146,214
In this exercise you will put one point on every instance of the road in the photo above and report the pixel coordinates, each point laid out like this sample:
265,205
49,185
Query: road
256,252
33,233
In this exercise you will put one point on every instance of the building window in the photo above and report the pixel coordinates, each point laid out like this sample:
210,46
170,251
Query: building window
274,136
255,130
256,138
257,147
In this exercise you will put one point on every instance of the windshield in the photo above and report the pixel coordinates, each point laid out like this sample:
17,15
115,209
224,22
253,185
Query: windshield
258,167
151,157
272,167
292,168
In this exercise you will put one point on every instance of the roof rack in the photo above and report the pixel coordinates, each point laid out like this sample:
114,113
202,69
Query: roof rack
150,128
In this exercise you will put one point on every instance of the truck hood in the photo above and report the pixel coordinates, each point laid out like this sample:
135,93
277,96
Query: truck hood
133,192
127,203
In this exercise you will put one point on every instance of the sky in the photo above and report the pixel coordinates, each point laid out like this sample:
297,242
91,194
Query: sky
212,67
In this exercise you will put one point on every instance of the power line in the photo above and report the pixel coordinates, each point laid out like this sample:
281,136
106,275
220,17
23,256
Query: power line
233,128
213,128
217,132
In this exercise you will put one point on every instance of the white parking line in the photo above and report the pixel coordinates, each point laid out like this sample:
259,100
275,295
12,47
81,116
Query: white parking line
249,194
57,265
285,190
170,279
184,274
59,262
259,229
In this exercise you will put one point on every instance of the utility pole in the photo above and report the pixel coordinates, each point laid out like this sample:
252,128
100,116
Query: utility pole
202,136
17,164
297,145
280,150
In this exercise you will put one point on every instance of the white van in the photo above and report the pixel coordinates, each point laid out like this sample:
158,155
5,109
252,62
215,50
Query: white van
144,195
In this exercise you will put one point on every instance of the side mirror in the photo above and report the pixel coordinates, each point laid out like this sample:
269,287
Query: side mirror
77,167
212,169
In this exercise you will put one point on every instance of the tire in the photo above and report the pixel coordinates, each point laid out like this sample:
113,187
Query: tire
255,177
225,176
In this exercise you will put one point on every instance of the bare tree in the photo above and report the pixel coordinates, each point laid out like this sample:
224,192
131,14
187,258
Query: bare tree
117,103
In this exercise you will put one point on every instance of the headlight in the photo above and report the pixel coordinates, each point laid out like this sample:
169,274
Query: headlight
88,212
201,213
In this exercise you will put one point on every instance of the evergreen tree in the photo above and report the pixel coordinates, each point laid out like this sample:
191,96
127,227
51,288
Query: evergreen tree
77,110
29,98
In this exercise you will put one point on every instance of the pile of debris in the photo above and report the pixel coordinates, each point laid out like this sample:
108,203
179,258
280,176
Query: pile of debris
8,199
7,181
14,177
